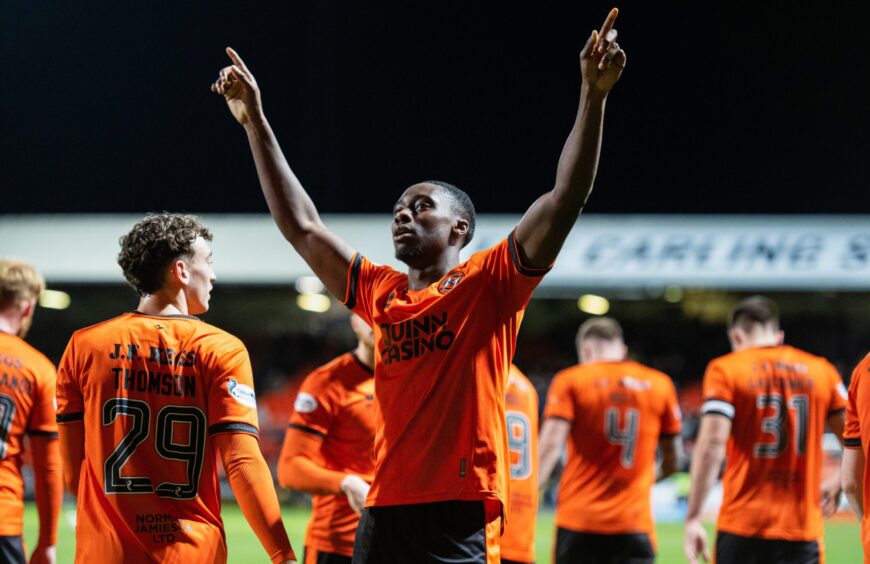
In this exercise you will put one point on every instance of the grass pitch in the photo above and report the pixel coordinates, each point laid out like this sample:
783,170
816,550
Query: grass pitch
842,537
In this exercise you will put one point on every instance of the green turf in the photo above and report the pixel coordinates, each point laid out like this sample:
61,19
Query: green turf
842,538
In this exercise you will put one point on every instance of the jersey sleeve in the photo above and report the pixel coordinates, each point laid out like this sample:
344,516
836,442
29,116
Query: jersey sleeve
560,400
42,419
70,401
718,392
512,281
852,432
314,407
672,417
363,277
231,401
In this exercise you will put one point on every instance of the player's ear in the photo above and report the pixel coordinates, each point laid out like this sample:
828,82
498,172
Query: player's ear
735,337
460,228
780,338
180,271
28,307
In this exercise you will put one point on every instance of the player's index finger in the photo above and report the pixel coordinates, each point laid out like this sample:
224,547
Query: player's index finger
235,57
608,22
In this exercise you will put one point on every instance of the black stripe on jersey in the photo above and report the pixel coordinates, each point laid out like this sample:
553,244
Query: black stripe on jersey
305,429
668,435
233,427
852,442
515,258
361,365
560,418
67,417
49,434
718,412
355,267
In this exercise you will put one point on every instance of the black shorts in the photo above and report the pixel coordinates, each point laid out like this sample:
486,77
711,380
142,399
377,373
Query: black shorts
735,549
12,550
573,547
314,556
422,533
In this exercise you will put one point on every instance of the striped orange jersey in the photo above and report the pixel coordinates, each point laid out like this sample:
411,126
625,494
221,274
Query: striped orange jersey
521,408
151,391
618,412
441,361
779,399
27,382
858,424
336,403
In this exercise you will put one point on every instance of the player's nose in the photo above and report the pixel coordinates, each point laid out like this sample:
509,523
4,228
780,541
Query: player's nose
402,215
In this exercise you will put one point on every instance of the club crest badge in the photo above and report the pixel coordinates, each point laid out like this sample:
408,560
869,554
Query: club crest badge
450,282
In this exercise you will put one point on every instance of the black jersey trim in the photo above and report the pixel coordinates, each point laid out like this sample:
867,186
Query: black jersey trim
175,316
836,411
853,443
515,258
305,429
38,433
353,279
361,365
68,417
233,427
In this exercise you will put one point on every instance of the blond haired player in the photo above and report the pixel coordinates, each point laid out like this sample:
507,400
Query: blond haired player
148,401
27,381
765,408
614,414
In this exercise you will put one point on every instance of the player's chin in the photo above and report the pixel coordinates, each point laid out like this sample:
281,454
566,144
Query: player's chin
407,252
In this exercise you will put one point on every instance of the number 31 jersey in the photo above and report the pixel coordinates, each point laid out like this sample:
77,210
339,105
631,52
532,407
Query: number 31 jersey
151,391
779,399
618,411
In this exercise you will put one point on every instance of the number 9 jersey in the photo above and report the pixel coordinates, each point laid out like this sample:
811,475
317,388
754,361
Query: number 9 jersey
778,400
150,391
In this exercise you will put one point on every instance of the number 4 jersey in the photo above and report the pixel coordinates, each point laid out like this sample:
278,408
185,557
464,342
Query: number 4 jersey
151,390
779,399
618,411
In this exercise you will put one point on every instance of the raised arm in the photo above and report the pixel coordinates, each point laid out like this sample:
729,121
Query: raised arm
291,207
545,226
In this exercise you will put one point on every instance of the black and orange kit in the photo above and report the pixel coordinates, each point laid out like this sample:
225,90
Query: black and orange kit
152,392
442,355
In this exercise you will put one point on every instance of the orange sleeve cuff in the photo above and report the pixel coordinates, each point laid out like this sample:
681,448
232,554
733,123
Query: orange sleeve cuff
301,466
252,484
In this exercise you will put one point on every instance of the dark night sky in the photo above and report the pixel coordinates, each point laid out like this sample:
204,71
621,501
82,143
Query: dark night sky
723,108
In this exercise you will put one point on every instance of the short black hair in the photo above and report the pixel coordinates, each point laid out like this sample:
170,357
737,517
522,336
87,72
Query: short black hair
461,203
755,310
153,244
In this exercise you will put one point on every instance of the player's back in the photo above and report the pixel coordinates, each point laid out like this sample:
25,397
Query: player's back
26,407
151,390
618,411
521,413
779,400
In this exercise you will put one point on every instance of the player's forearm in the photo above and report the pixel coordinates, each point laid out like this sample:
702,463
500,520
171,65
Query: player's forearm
291,207
852,479
300,473
72,452
578,162
705,469
547,460
48,484
251,483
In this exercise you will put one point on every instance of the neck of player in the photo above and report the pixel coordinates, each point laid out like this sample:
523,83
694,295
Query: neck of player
420,276
365,354
164,303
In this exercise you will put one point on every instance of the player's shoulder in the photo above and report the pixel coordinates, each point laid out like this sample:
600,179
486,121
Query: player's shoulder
811,359
30,355
654,375
519,381
331,373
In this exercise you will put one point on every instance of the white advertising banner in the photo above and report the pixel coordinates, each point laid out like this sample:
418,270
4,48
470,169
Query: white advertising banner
607,252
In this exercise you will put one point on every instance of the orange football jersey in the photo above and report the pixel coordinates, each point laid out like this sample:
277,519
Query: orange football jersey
27,381
521,408
618,412
151,391
778,399
441,361
858,418
336,403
